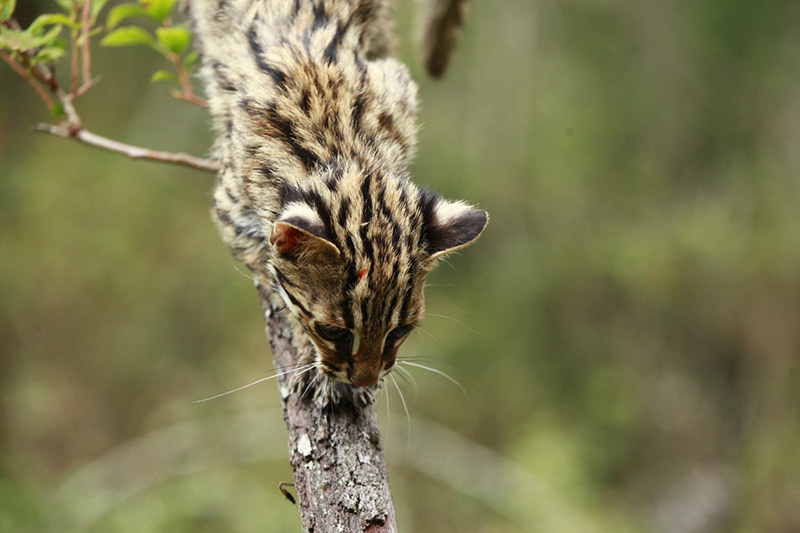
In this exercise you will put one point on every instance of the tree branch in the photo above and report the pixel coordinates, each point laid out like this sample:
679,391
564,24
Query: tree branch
26,75
134,152
339,470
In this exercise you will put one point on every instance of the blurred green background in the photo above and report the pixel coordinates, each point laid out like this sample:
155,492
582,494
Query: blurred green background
627,329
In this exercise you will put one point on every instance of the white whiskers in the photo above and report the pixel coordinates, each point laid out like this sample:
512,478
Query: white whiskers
310,384
406,376
300,370
457,321
405,407
435,371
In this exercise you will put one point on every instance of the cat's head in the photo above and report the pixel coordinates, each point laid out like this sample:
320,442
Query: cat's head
350,262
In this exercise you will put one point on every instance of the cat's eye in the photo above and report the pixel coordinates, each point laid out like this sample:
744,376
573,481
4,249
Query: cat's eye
398,333
333,333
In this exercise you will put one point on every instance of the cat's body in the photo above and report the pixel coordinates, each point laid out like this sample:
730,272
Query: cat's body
317,124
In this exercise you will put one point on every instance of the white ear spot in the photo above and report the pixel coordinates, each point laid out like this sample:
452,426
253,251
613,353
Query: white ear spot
301,210
448,211
454,225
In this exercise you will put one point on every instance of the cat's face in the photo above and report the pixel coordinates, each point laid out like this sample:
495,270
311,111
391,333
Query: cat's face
357,331
354,278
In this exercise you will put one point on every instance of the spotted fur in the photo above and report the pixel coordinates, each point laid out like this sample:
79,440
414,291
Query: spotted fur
316,125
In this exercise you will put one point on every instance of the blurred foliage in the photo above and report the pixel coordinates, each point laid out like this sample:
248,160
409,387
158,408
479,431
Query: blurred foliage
628,328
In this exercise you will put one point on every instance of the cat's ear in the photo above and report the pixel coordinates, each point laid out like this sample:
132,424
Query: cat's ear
452,226
300,235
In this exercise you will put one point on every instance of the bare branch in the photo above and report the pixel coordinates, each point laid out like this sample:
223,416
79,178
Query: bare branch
134,152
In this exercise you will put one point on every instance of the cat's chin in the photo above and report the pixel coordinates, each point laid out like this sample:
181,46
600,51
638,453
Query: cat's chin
325,391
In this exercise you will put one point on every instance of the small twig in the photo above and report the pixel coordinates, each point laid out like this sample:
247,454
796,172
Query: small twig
186,94
74,58
86,55
190,98
28,77
87,84
134,152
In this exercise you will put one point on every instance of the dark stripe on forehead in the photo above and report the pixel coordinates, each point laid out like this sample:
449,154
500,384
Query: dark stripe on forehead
351,247
366,216
344,210
347,313
387,314
319,205
365,316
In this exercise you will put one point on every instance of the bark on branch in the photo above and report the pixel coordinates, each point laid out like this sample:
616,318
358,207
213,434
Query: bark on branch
134,152
339,468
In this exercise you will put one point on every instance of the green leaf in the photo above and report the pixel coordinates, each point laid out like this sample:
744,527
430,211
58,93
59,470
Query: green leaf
22,40
97,6
128,36
48,19
6,9
190,61
92,33
48,54
175,38
164,75
57,110
14,39
158,10
122,12
48,38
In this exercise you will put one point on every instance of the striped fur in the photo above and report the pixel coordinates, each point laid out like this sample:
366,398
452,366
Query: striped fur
316,126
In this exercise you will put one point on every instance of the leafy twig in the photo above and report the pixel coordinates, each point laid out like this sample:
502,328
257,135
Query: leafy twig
32,52
170,40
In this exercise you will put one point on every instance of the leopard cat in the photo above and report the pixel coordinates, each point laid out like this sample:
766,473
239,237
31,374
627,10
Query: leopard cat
316,124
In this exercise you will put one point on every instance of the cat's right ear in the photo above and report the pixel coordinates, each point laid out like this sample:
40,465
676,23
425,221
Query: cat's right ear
452,226
300,235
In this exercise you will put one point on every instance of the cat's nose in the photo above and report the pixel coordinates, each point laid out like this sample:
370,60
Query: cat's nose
363,381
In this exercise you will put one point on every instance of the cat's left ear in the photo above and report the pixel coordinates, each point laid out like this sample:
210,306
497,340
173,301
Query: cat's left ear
454,225
300,235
